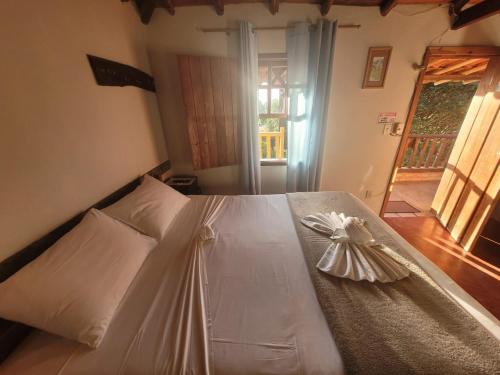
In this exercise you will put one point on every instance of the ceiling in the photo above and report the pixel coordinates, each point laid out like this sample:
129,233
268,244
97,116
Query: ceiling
467,70
462,12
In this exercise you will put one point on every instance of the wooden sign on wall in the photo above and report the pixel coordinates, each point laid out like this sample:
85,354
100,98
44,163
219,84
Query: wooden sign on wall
112,73
210,92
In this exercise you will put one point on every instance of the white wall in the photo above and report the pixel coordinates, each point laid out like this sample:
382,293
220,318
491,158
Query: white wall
66,142
168,36
357,156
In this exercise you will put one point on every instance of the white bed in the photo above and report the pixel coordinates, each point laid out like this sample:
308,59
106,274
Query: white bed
262,313
258,304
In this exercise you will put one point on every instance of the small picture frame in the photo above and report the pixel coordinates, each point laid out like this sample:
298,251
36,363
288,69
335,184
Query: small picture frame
376,67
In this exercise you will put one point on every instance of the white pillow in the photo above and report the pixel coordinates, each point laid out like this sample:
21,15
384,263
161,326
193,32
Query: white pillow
150,208
75,286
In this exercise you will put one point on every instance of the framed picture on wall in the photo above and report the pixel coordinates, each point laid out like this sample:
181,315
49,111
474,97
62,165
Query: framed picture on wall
376,67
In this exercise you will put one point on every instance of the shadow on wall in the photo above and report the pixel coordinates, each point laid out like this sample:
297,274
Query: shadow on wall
157,134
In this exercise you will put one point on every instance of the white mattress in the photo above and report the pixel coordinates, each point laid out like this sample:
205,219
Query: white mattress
261,309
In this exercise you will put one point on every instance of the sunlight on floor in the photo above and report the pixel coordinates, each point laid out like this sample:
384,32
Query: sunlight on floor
467,258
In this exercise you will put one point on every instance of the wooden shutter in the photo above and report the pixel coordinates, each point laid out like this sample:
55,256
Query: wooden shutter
210,92
470,183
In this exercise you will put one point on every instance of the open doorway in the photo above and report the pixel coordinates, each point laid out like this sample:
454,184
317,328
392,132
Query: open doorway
447,84
446,175
447,91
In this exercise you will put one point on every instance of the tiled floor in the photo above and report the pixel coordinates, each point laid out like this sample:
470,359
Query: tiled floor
475,275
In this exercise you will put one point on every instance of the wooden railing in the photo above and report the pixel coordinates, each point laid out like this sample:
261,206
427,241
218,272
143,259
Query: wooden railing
272,144
424,152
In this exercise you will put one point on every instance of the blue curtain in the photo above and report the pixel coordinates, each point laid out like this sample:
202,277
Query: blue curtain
248,63
310,56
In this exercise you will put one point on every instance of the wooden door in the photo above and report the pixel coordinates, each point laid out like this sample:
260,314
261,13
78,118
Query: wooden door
469,186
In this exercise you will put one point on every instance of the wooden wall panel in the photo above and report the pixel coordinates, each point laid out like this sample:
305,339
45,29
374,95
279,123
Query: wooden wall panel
199,105
228,109
236,102
187,89
218,97
209,88
208,96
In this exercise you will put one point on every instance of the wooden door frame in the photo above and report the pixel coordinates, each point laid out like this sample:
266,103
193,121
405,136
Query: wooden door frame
452,52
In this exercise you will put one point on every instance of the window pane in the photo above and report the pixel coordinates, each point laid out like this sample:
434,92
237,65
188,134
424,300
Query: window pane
277,100
263,77
269,124
272,139
262,99
278,75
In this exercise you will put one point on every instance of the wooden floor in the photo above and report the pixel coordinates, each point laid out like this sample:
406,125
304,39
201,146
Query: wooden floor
476,276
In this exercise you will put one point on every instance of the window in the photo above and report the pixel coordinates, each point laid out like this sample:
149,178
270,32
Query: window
273,105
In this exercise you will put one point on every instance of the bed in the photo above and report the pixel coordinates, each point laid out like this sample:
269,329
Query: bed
242,300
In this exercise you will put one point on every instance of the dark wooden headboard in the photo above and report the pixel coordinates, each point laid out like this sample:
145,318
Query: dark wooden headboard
12,333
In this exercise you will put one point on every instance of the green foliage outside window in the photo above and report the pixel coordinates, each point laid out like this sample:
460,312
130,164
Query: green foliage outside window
269,124
442,108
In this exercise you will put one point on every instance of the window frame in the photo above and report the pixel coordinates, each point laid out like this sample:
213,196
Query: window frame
271,60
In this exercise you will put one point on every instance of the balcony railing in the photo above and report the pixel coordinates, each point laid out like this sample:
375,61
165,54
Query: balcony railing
272,144
424,152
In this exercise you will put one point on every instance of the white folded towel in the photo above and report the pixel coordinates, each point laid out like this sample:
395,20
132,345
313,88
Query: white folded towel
354,254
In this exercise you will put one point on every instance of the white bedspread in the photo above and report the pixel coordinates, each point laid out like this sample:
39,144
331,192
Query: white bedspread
261,311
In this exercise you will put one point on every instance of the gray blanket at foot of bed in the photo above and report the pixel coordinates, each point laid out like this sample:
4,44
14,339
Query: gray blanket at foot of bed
408,327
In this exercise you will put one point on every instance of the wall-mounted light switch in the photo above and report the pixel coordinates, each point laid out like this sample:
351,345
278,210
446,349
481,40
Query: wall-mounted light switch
393,128
397,128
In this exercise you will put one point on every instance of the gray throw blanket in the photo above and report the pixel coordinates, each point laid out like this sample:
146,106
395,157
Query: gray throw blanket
410,326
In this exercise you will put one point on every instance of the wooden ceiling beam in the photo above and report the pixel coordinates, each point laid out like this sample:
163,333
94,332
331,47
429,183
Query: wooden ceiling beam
464,52
325,7
437,63
475,69
168,5
146,9
457,66
484,9
274,6
456,6
386,6
219,7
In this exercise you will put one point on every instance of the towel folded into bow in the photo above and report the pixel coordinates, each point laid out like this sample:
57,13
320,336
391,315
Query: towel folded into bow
354,254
